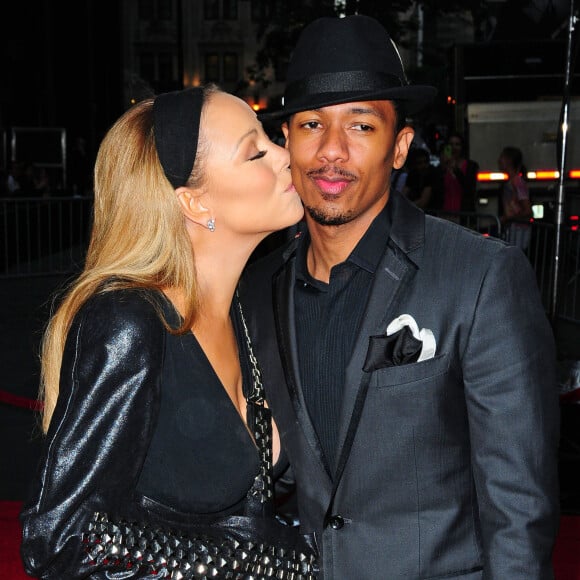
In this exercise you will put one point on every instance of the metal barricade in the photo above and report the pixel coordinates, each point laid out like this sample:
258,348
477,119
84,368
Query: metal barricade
44,236
568,305
41,236
486,224
541,253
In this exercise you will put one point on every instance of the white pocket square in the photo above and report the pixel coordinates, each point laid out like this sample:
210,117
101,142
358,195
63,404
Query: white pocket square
401,344
425,335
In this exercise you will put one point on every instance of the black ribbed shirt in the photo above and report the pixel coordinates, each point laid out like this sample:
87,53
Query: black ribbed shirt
328,317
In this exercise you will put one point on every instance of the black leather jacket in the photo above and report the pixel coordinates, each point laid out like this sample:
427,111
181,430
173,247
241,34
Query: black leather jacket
95,453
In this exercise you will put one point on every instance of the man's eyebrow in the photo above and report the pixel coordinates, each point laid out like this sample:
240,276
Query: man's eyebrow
354,110
366,111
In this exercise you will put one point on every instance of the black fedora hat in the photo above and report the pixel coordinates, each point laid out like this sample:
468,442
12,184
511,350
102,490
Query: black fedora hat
340,60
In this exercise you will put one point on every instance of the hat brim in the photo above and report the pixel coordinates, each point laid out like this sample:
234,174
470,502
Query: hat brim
413,97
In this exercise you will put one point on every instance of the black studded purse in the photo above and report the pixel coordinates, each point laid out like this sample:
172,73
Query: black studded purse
254,546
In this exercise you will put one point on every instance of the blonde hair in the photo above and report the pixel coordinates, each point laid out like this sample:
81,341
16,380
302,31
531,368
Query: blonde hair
138,238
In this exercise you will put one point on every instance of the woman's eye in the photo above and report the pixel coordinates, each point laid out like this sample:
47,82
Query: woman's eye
258,155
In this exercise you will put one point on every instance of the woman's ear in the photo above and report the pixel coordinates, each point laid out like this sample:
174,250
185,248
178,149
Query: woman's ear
191,204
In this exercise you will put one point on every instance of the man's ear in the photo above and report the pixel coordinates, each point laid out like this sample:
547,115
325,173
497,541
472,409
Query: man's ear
402,144
191,204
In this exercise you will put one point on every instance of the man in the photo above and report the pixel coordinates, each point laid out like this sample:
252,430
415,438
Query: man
408,361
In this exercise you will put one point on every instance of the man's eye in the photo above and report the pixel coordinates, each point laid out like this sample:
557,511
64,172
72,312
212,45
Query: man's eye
362,127
311,125
258,155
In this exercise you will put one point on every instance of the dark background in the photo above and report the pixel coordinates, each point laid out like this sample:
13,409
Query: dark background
61,66
62,60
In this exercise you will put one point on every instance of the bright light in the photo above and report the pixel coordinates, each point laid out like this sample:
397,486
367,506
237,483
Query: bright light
543,174
492,176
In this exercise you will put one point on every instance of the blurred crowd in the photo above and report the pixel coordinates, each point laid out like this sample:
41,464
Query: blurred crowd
445,181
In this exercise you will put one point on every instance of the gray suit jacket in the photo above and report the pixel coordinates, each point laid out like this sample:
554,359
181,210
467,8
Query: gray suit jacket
453,469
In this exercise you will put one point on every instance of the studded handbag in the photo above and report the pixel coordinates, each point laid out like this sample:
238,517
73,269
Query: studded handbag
256,545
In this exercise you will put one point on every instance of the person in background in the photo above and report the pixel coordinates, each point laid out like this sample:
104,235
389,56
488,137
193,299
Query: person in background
15,177
516,207
421,177
37,181
413,387
456,190
144,370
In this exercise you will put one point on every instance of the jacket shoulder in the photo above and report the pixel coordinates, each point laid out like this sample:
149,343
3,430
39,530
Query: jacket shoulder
451,233
126,316
141,306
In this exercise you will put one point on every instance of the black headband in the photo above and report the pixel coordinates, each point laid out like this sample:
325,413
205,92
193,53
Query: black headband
176,118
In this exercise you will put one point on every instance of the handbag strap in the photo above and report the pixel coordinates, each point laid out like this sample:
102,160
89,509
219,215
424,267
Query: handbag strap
260,422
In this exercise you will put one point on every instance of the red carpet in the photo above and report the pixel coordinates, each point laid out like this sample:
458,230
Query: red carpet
566,551
10,564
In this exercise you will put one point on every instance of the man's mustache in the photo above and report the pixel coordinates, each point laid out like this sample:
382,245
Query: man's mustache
330,171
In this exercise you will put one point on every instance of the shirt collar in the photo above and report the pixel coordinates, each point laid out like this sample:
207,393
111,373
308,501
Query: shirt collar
366,254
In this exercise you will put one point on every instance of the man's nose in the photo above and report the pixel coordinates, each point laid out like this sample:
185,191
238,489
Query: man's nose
333,145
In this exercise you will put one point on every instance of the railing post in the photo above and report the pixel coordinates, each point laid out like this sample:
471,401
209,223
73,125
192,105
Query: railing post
563,138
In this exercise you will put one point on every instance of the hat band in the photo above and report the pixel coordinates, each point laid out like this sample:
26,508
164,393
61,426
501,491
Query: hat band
341,82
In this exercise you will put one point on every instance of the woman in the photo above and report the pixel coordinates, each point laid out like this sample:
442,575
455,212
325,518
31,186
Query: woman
516,207
144,372
456,190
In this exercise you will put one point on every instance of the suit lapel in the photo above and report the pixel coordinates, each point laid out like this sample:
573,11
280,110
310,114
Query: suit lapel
285,321
393,274
390,278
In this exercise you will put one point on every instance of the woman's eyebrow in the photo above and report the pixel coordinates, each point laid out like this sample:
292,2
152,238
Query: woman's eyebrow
245,136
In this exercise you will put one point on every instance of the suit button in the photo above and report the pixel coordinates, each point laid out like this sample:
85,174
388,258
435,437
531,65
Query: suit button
336,522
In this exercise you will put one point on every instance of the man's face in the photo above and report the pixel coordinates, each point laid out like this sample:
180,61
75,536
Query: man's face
342,156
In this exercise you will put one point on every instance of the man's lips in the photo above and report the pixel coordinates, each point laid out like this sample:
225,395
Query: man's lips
332,186
331,180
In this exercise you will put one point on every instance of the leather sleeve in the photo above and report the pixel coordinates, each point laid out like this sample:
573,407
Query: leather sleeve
100,431
512,397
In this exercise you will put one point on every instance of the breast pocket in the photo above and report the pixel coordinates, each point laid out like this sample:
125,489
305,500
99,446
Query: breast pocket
411,373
